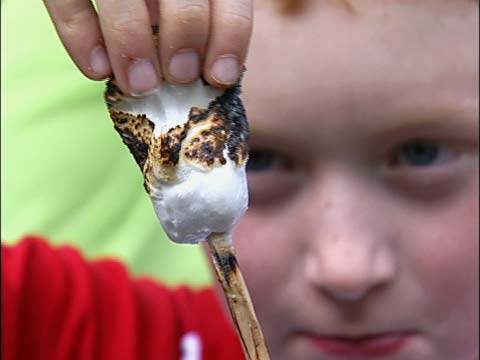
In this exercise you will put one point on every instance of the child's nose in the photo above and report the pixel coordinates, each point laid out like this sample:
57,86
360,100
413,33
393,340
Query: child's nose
348,272
350,242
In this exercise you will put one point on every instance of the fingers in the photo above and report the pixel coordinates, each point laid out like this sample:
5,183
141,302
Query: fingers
231,27
77,24
127,31
201,36
183,36
208,37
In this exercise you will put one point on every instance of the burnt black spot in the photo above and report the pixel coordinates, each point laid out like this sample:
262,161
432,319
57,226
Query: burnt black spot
155,29
171,144
138,149
229,106
112,93
232,262
205,133
198,117
174,154
204,82
146,187
207,147
228,263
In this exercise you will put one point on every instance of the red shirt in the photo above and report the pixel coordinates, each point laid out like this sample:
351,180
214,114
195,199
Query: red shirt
57,305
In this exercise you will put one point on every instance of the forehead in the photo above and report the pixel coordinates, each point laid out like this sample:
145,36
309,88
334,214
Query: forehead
348,60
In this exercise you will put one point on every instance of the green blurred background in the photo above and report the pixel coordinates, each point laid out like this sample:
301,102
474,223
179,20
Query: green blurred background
65,172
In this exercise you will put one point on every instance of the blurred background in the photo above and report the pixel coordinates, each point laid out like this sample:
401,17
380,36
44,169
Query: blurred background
66,175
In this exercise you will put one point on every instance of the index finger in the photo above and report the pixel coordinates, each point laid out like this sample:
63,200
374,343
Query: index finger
77,25
127,31
231,28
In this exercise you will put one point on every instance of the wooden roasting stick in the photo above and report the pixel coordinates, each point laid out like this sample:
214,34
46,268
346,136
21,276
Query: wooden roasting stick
238,298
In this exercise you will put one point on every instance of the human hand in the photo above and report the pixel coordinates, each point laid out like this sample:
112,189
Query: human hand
196,37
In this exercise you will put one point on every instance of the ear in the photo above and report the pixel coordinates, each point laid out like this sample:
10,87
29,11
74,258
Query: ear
136,132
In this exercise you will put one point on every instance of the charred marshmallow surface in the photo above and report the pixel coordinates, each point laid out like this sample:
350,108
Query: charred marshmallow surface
191,145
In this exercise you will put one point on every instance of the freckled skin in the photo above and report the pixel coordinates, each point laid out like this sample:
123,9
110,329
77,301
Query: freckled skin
334,93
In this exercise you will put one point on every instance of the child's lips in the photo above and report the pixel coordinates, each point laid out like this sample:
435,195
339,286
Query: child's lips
371,345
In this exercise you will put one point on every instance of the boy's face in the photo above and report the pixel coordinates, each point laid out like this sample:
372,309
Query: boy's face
361,240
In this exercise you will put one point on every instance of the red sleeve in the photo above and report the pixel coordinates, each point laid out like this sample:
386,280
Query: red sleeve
57,305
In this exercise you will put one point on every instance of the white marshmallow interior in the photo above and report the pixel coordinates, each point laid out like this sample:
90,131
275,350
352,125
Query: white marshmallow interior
202,202
169,105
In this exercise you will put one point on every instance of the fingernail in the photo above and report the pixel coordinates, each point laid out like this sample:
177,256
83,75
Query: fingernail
99,61
226,69
184,66
142,76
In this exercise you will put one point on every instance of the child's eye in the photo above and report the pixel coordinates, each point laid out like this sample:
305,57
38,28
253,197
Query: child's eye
264,160
421,153
428,169
272,177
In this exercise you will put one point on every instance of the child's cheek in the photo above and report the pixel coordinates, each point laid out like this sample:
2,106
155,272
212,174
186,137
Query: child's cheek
261,249
442,261
266,253
450,248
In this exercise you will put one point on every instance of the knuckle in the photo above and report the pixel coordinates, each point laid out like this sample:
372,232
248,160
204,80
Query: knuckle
73,20
237,29
126,25
189,21
192,9
240,20
240,11
71,13
129,36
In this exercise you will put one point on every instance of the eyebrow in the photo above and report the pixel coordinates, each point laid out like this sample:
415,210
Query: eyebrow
456,117
439,120
291,7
